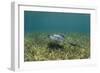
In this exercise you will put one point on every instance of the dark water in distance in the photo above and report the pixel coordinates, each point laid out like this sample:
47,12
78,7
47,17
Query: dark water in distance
35,21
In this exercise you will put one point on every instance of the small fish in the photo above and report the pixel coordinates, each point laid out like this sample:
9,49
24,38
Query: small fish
74,44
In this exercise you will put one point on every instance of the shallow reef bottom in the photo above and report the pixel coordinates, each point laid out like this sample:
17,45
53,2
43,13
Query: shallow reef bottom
38,47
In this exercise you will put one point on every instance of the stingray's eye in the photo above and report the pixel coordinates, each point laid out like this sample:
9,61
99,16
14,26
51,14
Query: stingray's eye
62,35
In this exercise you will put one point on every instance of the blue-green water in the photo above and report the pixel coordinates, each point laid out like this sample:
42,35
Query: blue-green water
35,21
39,47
